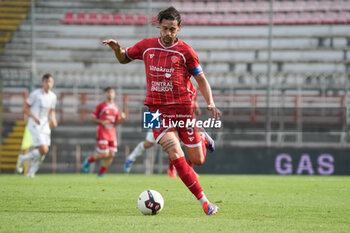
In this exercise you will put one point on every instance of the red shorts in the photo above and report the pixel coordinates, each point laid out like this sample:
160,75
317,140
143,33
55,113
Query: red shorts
105,146
171,118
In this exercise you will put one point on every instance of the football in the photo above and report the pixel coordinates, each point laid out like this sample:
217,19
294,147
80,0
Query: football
150,202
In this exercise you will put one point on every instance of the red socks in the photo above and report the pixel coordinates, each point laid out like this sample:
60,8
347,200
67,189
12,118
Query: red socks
188,177
91,159
171,166
102,170
190,163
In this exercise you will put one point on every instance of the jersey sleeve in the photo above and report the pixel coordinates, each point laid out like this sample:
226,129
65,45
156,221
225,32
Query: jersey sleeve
136,51
32,97
96,113
192,63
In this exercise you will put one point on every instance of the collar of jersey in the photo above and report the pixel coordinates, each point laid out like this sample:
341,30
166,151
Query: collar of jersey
161,44
43,91
109,103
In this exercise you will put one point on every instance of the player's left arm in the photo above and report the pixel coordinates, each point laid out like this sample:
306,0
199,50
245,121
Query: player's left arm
205,89
192,62
53,121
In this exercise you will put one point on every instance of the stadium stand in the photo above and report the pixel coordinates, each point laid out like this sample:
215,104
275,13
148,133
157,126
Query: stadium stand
11,14
11,146
225,53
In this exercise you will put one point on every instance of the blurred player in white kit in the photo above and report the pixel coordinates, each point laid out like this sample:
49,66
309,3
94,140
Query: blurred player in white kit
40,109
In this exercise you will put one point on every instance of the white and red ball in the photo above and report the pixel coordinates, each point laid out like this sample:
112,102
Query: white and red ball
150,202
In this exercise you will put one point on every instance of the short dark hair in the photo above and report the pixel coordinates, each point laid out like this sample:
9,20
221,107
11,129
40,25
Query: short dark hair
169,13
108,89
46,76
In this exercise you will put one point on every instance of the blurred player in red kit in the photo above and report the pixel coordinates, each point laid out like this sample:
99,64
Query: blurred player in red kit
170,63
106,116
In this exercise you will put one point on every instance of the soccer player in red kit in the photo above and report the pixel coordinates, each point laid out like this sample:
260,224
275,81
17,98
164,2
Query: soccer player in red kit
208,141
169,64
106,116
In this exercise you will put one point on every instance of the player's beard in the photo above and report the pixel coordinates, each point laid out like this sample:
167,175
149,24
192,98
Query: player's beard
167,40
46,89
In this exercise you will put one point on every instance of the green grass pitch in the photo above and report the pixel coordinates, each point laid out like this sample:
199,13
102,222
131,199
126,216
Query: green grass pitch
85,203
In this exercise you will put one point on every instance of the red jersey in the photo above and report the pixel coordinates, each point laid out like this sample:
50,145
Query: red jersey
168,70
106,112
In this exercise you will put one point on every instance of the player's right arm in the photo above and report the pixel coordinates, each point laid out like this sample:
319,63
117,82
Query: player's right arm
119,53
26,110
29,102
95,116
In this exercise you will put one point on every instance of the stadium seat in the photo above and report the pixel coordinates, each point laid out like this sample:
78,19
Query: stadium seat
240,19
199,7
299,5
329,18
68,18
311,6
93,19
217,19
264,19
249,6
291,18
187,7
129,19
141,19
316,18
286,6
211,7
191,19
81,18
277,6
237,6
343,17
279,18
262,6
106,19
345,5
253,19
335,5
324,5
224,7
154,19
227,19
118,19
204,19
177,5
304,18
